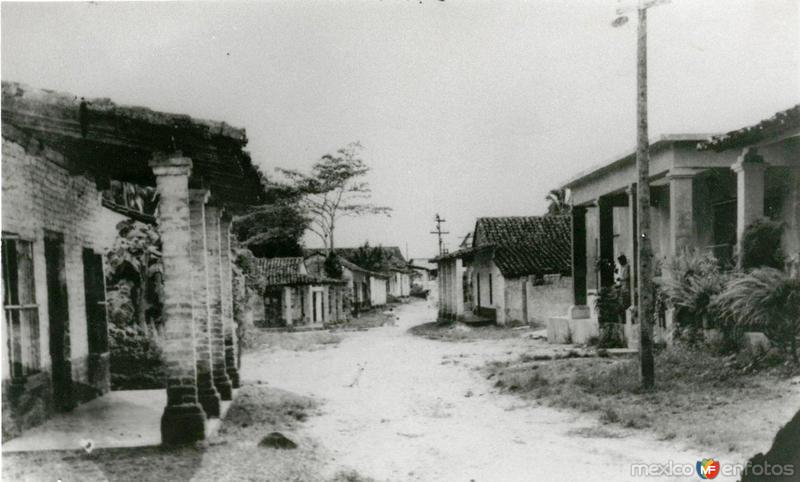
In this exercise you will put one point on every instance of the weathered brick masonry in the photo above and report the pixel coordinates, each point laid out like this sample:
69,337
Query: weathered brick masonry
39,194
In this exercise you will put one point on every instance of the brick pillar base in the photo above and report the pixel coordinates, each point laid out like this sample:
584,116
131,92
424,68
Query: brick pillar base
182,424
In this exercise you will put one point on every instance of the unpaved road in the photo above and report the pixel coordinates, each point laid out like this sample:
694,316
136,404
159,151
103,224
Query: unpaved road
400,407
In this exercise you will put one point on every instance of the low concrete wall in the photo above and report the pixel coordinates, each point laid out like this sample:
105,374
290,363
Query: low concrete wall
561,329
551,299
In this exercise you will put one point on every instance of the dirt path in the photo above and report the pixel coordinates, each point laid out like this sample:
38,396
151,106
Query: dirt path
399,407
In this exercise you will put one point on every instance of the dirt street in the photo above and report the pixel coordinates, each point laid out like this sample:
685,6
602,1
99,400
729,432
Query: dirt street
400,407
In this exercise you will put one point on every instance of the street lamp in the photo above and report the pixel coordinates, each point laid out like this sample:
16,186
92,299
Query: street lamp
645,252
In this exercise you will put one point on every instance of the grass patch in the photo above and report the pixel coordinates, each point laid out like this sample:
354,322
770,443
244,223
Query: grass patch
459,332
697,396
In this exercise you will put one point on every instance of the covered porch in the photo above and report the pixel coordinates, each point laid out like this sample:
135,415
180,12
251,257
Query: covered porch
200,173
701,198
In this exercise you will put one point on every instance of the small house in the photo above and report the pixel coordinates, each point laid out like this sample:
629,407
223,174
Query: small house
516,271
294,297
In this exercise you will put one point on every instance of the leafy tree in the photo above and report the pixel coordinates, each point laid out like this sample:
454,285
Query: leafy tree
371,258
135,261
272,230
276,228
333,267
334,189
559,202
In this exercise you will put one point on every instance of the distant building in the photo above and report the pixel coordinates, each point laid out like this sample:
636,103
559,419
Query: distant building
294,297
517,270
363,288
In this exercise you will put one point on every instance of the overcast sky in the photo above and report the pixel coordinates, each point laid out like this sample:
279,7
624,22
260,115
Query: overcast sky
465,108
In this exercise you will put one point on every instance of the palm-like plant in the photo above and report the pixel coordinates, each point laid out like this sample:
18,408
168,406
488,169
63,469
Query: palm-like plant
559,202
765,299
692,283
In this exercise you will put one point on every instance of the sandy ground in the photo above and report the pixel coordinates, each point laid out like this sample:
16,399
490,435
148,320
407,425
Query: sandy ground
400,407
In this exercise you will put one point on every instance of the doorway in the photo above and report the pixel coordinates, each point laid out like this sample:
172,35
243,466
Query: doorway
58,309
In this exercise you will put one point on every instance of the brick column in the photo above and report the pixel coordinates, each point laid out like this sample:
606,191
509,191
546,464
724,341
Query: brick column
226,278
681,209
207,393
221,380
183,420
749,170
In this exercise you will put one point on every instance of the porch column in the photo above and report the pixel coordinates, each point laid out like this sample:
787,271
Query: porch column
183,420
309,305
339,290
220,372
681,223
207,393
288,311
749,169
228,321
606,221
459,289
579,309
633,221
326,307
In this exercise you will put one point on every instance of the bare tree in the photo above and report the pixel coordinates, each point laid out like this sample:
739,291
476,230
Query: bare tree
334,189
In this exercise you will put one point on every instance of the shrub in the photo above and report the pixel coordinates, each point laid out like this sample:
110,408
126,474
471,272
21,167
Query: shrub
693,282
611,304
137,360
761,245
767,300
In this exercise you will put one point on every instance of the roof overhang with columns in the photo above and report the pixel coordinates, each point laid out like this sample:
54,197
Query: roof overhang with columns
109,141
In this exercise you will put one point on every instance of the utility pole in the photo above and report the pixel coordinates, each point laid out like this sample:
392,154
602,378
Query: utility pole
645,254
439,220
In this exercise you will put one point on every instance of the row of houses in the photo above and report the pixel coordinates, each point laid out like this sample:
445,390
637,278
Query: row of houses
60,154
297,291
705,190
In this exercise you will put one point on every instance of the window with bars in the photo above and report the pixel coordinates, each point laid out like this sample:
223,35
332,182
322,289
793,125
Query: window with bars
21,309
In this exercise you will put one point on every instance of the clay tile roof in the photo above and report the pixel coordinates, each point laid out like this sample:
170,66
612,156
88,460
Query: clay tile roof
780,123
285,271
527,245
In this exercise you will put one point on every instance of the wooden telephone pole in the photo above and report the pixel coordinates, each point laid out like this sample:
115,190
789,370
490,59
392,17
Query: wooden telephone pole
645,254
439,220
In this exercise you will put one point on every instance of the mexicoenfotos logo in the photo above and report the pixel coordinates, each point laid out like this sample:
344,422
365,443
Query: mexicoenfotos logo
708,468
